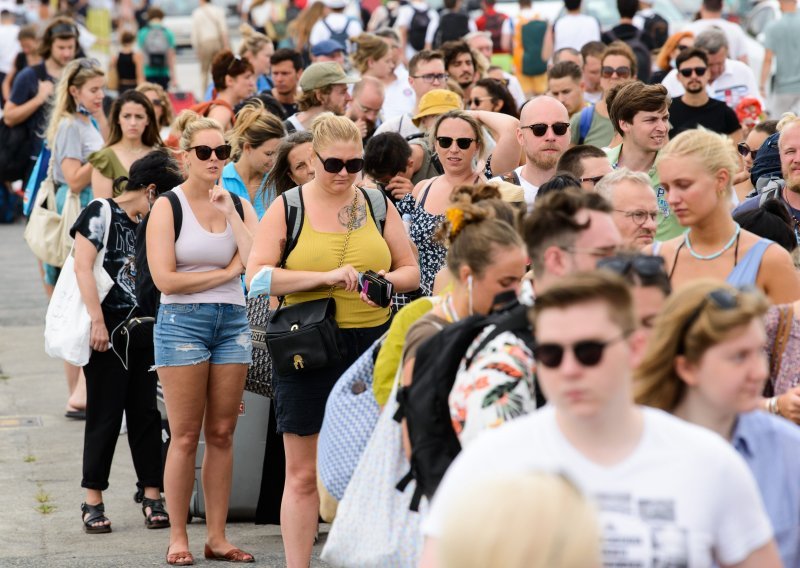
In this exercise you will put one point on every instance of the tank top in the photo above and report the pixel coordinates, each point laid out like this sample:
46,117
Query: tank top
317,251
126,71
197,250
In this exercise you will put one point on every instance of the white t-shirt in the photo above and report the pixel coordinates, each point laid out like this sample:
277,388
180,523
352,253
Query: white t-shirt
405,14
528,188
574,30
735,83
336,21
399,99
684,497
515,89
9,46
297,124
402,124
737,40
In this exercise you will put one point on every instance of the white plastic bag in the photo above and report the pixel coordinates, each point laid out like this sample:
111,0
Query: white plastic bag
67,326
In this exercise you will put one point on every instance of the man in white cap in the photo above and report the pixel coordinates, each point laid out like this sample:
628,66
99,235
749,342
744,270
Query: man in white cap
324,87
336,25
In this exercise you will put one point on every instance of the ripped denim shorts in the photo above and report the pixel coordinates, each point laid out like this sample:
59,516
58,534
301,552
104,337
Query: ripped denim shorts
188,334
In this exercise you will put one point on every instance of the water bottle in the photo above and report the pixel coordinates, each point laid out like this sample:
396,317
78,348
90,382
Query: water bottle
407,222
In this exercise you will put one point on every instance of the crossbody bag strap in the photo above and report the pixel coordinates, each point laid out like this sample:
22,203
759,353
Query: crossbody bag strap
350,225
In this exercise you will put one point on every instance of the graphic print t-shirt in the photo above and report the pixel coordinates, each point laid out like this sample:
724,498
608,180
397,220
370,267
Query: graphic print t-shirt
119,259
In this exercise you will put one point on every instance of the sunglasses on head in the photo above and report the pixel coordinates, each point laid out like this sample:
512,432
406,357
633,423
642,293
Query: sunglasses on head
687,71
622,72
335,165
744,150
540,128
463,143
588,352
204,152
643,265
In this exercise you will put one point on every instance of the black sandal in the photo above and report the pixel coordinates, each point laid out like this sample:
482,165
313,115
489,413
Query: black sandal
97,514
156,510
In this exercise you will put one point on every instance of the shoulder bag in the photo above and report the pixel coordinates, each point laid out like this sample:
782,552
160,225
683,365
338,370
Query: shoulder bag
67,327
304,337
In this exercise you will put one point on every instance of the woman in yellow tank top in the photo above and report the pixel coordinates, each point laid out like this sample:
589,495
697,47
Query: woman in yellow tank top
311,270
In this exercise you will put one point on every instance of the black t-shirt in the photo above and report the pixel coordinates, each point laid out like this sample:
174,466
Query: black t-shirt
24,88
119,259
714,115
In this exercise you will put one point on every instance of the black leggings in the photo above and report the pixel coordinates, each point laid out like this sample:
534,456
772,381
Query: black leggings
110,389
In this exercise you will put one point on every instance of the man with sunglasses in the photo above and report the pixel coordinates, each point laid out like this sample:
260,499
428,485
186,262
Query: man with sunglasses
695,108
543,134
668,493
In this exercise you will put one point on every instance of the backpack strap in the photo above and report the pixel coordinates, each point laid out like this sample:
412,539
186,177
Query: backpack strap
587,113
293,208
511,177
376,201
237,203
177,211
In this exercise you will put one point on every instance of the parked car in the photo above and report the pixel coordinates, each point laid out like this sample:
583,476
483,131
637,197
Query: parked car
178,18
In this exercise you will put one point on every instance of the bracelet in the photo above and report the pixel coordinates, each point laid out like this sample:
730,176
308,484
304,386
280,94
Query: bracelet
772,406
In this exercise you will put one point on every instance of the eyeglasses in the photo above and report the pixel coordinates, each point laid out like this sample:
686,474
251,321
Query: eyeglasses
476,101
687,71
588,352
644,265
721,299
639,216
744,150
432,77
335,165
463,143
622,72
540,128
594,179
204,152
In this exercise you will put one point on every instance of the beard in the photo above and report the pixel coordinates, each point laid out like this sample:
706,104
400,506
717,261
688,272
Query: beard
695,88
544,162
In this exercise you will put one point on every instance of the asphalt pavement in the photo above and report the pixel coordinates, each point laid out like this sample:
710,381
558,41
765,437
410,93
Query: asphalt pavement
41,453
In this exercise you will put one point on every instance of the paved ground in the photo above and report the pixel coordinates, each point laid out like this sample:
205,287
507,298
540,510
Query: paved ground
40,454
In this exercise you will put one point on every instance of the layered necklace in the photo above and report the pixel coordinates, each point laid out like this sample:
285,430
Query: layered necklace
733,240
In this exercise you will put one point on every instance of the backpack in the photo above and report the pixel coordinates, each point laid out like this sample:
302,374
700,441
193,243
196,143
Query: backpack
17,143
424,404
10,205
148,297
768,161
340,36
657,28
294,214
418,28
528,39
494,25
585,124
156,46
644,61
452,26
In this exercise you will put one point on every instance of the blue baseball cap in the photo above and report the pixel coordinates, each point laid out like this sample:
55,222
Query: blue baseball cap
327,47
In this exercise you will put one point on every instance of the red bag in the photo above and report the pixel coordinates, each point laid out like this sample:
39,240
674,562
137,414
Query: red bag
181,100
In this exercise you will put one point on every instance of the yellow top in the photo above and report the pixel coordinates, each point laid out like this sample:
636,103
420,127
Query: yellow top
320,252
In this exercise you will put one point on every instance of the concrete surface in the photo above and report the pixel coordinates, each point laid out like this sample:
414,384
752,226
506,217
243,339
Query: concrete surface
40,463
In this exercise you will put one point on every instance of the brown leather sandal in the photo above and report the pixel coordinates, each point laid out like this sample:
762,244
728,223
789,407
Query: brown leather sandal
233,555
183,558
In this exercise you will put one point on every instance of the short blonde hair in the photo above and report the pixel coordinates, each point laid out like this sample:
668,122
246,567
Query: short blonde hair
328,129
370,48
714,151
189,123
787,121
529,520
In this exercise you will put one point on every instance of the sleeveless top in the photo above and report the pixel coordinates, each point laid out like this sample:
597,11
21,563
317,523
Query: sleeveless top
197,250
317,251
423,226
745,272
126,71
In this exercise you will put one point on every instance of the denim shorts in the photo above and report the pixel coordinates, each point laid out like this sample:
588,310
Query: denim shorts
189,334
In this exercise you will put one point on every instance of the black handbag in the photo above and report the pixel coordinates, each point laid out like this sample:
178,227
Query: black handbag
133,333
305,337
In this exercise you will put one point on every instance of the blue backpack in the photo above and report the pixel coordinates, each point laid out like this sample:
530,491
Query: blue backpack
587,113
340,36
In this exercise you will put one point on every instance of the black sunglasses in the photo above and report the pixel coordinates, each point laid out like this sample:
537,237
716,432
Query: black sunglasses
622,72
687,71
721,299
594,179
744,150
204,152
463,143
540,128
644,265
335,165
156,102
588,352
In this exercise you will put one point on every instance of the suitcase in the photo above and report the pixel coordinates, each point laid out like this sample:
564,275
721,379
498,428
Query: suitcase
249,445
181,100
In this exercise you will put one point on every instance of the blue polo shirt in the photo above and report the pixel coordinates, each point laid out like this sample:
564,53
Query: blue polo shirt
232,181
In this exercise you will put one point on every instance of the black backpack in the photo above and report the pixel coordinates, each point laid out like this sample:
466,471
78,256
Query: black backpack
657,28
148,297
424,404
418,28
17,142
452,26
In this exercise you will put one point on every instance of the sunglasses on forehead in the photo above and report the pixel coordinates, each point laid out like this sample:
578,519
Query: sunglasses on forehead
204,152
588,352
463,143
335,165
720,299
540,128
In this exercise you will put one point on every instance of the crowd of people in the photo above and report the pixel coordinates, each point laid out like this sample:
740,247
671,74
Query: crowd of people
568,253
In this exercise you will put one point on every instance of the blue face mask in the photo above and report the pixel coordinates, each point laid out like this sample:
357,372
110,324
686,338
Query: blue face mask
83,110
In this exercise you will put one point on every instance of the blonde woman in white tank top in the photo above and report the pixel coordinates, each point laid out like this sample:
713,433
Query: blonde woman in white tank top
202,337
